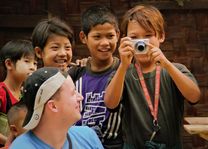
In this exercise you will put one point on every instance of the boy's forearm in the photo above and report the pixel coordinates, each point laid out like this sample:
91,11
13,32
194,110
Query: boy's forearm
115,89
187,87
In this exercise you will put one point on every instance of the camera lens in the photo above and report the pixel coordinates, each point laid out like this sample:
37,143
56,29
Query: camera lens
140,46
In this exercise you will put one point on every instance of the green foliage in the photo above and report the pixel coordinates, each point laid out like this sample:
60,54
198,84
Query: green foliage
181,2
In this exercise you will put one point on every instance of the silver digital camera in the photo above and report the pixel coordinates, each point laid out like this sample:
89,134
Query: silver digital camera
140,46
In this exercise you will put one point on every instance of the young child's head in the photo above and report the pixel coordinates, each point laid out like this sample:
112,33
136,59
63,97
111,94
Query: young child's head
18,57
98,15
53,40
148,17
16,116
144,22
100,31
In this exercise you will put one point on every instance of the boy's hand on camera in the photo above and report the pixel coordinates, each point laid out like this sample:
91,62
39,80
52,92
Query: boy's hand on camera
157,55
126,51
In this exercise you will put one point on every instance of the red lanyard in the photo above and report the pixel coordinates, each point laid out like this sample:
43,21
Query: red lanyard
154,110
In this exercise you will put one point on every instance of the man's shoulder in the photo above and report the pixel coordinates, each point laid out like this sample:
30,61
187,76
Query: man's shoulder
84,137
23,141
80,129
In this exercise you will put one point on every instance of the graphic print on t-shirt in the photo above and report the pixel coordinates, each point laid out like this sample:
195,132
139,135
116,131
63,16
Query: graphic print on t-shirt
94,113
93,110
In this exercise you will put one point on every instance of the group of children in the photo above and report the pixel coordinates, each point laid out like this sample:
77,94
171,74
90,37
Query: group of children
132,102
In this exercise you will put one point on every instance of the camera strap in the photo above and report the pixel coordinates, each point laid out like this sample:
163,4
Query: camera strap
153,110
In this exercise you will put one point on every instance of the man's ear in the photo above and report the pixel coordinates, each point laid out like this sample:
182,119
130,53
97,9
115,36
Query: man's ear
8,63
14,130
82,37
52,106
38,52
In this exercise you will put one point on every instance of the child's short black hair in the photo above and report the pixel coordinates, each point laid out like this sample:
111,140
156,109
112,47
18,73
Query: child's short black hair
15,50
13,113
47,27
98,14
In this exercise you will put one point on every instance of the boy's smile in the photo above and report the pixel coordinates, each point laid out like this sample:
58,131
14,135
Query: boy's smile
102,41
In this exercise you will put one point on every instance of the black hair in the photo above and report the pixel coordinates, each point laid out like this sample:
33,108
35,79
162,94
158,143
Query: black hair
98,14
15,50
13,113
47,27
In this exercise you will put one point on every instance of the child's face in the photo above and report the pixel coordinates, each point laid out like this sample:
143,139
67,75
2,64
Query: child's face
102,41
136,31
24,67
57,52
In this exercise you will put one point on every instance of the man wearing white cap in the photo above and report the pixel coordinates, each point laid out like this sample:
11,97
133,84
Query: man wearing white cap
53,108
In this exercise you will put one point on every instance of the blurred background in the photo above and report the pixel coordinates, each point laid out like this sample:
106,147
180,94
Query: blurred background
186,35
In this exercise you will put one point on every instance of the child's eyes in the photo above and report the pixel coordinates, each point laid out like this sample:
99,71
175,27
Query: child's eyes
108,36
149,35
146,36
54,48
133,37
35,63
27,61
111,36
68,48
96,37
30,61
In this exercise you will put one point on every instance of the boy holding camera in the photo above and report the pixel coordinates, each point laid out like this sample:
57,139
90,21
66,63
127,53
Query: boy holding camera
152,89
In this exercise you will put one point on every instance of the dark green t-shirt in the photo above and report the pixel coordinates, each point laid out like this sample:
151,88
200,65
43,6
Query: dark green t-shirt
138,121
